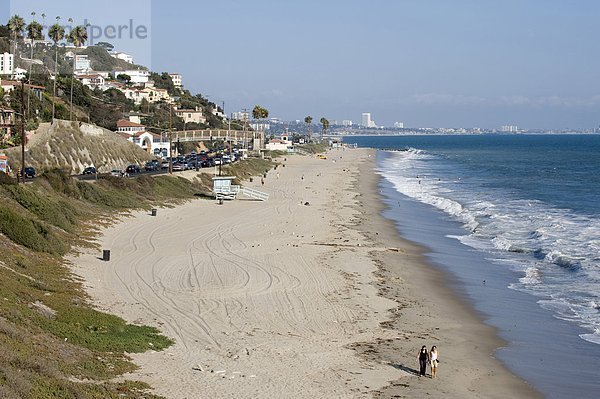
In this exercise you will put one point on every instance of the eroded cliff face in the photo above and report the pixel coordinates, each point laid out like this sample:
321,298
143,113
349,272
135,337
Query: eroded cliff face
76,145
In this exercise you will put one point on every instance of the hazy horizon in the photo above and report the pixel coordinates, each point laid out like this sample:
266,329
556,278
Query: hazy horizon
427,63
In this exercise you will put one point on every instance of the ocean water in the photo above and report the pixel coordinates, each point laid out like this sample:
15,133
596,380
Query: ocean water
516,218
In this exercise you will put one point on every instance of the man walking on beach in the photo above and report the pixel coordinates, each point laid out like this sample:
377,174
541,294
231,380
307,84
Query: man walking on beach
423,358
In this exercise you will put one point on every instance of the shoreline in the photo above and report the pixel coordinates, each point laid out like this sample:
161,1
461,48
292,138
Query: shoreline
466,347
287,297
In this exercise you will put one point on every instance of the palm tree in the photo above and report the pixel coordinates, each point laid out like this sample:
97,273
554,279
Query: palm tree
34,32
325,124
308,120
78,37
56,33
260,113
16,24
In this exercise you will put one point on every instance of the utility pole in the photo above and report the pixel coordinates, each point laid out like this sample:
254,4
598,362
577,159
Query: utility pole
23,137
170,139
245,114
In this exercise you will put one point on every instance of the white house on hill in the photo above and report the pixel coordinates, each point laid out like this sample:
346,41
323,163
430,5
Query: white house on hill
177,81
122,56
153,143
93,80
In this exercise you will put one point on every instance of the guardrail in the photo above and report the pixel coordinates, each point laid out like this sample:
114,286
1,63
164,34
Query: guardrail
252,193
216,134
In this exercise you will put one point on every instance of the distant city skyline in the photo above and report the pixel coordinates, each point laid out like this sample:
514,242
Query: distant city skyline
529,63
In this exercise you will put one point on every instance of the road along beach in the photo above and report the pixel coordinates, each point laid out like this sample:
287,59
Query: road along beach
309,294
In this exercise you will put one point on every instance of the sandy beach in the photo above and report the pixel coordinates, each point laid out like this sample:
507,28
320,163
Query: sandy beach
311,294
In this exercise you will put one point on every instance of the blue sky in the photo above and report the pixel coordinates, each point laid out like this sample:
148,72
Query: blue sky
455,63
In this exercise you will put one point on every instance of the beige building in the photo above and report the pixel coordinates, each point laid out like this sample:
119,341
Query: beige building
150,94
190,115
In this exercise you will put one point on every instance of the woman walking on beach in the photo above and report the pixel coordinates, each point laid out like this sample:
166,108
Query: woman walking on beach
433,356
423,357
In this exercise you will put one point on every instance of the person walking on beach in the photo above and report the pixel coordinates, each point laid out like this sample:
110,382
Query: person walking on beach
423,357
433,356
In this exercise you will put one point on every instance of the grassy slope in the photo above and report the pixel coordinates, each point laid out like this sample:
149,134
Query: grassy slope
53,344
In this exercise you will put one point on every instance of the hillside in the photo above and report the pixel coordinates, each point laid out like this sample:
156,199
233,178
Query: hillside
74,145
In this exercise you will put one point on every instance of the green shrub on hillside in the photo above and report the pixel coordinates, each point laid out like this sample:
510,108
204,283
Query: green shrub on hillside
29,233
56,212
6,179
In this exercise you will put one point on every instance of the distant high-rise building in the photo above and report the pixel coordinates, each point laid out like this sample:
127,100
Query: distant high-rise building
509,129
367,121
399,125
240,116
347,122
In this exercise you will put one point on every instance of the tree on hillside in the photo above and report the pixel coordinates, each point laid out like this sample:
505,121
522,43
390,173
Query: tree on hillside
164,81
106,46
123,77
34,32
78,36
325,124
56,33
308,120
4,39
259,112
16,24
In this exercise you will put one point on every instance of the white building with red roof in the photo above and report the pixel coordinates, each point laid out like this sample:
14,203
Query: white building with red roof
153,143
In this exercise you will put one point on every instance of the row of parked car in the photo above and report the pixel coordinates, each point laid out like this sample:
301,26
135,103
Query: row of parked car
181,163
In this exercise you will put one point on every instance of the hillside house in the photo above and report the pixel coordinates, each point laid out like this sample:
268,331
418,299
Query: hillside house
138,76
153,143
122,56
92,81
177,81
9,85
190,115
6,64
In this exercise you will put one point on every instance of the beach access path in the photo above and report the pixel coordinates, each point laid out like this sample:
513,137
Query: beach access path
310,294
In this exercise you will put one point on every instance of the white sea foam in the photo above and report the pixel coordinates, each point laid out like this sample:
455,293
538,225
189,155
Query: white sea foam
555,249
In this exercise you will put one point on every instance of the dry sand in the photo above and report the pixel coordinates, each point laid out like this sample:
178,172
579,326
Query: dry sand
284,299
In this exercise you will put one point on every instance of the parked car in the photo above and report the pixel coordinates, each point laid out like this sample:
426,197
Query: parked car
164,165
117,173
152,165
29,172
131,169
177,167
90,170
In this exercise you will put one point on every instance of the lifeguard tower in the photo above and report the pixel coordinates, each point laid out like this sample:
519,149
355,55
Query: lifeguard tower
225,190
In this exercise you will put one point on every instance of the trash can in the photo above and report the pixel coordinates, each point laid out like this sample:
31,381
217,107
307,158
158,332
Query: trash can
153,211
106,255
